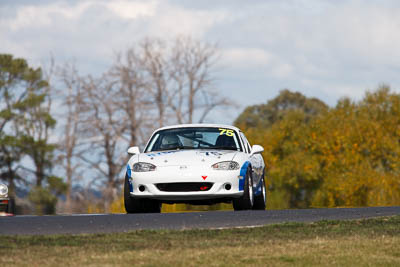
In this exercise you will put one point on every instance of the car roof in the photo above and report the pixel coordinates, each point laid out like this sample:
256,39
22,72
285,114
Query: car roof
199,125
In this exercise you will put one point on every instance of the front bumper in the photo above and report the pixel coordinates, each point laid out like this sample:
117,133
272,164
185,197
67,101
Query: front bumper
4,202
144,184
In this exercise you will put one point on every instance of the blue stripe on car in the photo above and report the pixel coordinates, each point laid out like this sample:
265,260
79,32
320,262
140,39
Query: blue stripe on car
243,172
129,173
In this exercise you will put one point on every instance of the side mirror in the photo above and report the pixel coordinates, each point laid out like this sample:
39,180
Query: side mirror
133,150
256,149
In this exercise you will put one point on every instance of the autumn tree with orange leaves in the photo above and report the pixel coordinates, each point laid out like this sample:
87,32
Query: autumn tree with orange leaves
342,156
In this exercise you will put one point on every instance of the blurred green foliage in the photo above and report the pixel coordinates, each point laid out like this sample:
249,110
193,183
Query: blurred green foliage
25,124
44,198
317,156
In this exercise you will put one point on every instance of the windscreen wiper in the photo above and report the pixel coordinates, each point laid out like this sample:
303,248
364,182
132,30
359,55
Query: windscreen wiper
224,147
181,147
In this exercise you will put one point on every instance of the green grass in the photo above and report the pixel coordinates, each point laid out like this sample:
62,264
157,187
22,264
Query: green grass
363,242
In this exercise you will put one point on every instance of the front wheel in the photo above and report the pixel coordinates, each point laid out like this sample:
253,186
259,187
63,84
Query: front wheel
245,202
261,200
135,205
11,206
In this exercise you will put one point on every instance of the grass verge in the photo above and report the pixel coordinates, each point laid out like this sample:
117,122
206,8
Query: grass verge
362,242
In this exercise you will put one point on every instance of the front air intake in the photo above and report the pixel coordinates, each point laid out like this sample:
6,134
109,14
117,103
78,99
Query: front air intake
184,187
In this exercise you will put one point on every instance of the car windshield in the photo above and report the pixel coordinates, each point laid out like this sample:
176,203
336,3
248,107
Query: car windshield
194,138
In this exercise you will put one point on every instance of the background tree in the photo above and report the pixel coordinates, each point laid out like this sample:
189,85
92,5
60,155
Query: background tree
178,78
360,151
134,96
18,85
193,95
69,95
45,197
25,121
344,156
155,69
103,127
265,115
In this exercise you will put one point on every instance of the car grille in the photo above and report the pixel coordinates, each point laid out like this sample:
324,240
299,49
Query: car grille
184,187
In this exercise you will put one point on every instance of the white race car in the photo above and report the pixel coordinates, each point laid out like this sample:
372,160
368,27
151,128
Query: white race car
195,164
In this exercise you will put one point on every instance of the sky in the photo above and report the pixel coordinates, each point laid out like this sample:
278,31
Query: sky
323,49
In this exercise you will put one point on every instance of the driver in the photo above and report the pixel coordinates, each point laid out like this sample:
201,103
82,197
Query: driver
170,142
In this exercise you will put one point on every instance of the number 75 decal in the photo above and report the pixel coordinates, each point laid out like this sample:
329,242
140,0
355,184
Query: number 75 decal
225,131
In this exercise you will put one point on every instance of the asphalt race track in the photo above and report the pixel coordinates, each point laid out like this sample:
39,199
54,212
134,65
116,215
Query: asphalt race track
109,223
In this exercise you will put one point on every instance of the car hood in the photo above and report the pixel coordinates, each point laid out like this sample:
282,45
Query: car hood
187,157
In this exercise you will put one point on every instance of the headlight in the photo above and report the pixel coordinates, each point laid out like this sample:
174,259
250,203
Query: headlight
226,165
143,167
3,190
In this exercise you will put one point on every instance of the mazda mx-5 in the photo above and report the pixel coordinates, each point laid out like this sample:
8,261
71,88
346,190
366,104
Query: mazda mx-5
195,164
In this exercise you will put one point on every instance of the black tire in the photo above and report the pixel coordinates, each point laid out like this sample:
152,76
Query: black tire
260,201
11,206
245,202
133,205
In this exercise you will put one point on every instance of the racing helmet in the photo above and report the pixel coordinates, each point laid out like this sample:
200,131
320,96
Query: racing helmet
170,141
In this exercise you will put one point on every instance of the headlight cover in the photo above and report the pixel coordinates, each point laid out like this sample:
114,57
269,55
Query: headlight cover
226,166
143,167
3,190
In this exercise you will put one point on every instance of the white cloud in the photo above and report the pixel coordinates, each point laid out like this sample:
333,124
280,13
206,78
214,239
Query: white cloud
132,10
246,57
256,60
172,20
90,31
323,48
43,16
